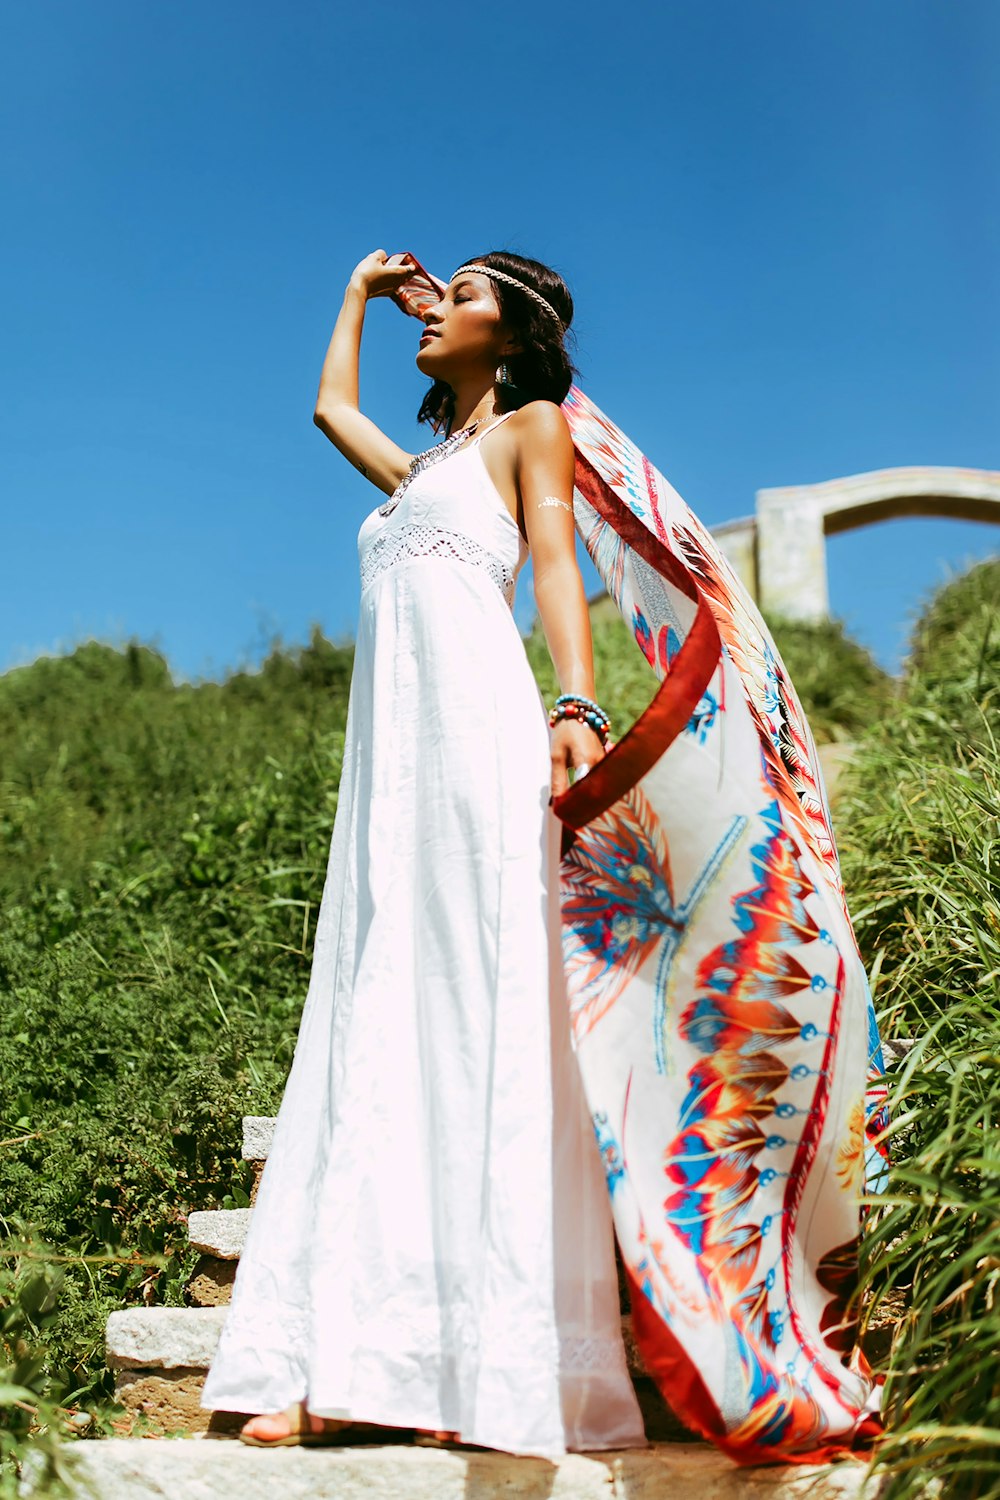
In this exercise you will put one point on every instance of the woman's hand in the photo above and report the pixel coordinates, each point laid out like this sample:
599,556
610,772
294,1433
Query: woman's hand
375,278
573,743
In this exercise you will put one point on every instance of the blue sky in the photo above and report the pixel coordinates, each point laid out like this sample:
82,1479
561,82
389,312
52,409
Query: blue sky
779,219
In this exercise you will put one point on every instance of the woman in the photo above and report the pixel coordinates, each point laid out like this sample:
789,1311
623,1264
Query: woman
431,1246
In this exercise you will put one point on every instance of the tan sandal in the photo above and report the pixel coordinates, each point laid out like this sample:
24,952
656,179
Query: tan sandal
301,1433
428,1439
345,1433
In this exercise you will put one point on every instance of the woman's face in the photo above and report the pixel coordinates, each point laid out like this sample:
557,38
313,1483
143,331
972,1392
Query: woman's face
463,332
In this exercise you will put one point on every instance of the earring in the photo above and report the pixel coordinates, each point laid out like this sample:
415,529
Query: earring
503,375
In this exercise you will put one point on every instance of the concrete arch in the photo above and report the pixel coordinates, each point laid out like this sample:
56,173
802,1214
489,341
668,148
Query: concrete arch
780,553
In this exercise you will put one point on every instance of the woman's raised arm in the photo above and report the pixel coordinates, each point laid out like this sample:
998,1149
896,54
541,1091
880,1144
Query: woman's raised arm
337,412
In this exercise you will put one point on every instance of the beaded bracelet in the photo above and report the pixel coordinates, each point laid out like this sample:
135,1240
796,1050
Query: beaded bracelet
595,716
585,717
585,710
588,702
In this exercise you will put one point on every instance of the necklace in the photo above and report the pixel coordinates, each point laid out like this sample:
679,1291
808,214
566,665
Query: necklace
424,461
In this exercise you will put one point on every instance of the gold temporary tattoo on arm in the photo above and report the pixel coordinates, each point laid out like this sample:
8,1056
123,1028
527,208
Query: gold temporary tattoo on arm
554,500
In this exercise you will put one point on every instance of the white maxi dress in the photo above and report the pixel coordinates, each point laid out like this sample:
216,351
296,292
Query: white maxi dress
431,1244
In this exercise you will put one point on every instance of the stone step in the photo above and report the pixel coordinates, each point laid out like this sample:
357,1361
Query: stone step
219,1231
163,1338
160,1356
220,1468
258,1131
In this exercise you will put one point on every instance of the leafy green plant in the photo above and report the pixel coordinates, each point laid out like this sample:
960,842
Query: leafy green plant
33,1419
919,833
162,850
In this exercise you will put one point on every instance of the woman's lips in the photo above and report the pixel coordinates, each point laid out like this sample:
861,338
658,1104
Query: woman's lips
430,334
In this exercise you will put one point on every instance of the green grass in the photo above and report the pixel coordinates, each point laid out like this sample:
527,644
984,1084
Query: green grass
919,832
162,851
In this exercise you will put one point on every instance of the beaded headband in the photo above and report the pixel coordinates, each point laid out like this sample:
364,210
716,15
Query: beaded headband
502,276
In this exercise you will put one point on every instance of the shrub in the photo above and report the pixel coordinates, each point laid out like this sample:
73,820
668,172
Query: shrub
162,851
920,841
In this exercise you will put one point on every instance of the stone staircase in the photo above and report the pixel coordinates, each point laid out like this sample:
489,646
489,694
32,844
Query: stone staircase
161,1355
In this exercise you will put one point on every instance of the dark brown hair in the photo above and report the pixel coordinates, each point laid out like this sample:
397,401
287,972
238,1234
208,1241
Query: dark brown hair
543,370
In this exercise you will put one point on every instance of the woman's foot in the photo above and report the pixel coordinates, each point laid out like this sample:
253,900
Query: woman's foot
293,1424
297,1425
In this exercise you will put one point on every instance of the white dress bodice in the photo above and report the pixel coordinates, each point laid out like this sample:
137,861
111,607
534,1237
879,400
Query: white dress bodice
452,509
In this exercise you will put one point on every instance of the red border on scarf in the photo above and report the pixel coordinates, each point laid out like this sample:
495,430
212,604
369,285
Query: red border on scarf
635,754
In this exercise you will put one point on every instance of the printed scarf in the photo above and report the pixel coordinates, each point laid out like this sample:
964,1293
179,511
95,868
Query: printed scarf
721,1014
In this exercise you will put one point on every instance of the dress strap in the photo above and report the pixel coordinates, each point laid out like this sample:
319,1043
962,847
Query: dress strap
479,437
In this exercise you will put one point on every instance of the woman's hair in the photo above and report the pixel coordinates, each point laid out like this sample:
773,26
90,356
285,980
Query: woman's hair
543,370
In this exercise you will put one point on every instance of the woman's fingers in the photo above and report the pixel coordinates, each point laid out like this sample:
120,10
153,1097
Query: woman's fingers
379,276
573,745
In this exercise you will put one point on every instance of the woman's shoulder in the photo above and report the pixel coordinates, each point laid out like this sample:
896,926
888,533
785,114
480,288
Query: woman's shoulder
541,420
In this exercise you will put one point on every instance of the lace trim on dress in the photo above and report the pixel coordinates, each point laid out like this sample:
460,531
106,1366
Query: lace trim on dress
431,541
589,1353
